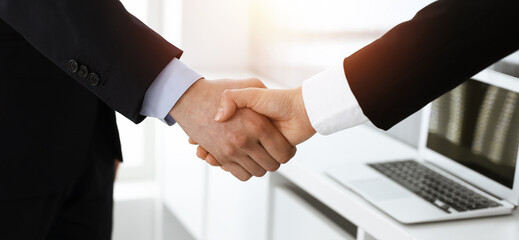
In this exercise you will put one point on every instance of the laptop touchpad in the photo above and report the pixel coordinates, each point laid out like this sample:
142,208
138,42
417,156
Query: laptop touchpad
380,189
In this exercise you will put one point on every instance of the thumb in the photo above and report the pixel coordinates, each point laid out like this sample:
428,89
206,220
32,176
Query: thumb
237,98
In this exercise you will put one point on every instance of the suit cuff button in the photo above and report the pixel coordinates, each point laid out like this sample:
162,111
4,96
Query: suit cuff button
83,71
73,66
94,79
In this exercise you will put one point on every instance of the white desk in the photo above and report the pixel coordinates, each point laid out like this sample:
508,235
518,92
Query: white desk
362,143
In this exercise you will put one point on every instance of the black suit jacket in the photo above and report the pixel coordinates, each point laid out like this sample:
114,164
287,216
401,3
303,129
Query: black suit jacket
64,65
445,44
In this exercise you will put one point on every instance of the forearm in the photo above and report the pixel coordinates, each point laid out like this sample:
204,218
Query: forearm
443,45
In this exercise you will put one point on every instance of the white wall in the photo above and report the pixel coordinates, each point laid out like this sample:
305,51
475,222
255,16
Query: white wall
215,34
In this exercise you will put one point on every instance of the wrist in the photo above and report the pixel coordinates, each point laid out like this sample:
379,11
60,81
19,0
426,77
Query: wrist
179,109
300,109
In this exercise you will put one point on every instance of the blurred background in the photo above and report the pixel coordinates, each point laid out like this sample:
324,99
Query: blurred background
162,190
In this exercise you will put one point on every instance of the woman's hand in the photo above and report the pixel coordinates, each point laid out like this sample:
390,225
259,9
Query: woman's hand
285,108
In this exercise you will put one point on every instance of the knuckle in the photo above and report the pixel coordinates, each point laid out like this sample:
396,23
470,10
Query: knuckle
224,167
229,151
241,174
273,167
240,141
258,127
212,162
284,159
285,156
245,177
226,93
199,155
256,82
201,152
258,172
261,173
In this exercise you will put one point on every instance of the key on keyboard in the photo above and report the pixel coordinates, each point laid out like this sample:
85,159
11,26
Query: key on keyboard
433,187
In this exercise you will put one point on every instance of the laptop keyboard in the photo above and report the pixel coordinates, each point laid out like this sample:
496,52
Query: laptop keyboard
441,191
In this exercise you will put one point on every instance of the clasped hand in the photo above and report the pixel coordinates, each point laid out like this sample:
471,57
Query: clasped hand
246,145
251,144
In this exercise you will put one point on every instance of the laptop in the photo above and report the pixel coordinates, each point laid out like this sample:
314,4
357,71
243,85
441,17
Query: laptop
468,153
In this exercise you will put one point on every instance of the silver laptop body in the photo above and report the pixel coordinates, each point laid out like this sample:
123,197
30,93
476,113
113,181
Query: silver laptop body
470,137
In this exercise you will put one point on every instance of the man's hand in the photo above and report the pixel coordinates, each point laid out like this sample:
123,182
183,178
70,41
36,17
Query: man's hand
248,144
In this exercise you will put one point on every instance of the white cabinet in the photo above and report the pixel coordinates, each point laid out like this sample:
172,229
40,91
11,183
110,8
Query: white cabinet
236,210
210,203
293,218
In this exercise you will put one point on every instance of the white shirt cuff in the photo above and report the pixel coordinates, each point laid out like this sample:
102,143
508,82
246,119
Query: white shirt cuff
167,89
330,103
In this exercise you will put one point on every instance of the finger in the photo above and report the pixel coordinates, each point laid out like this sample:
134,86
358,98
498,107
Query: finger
251,166
191,141
276,145
212,160
254,82
201,152
226,109
238,171
237,98
264,159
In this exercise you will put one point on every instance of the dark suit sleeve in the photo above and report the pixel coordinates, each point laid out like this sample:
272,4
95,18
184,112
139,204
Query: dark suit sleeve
445,44
100,35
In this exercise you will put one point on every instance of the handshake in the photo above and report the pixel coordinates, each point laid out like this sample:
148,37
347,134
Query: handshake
242,127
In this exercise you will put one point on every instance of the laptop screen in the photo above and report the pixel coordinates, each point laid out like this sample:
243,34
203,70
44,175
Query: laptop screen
477,125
